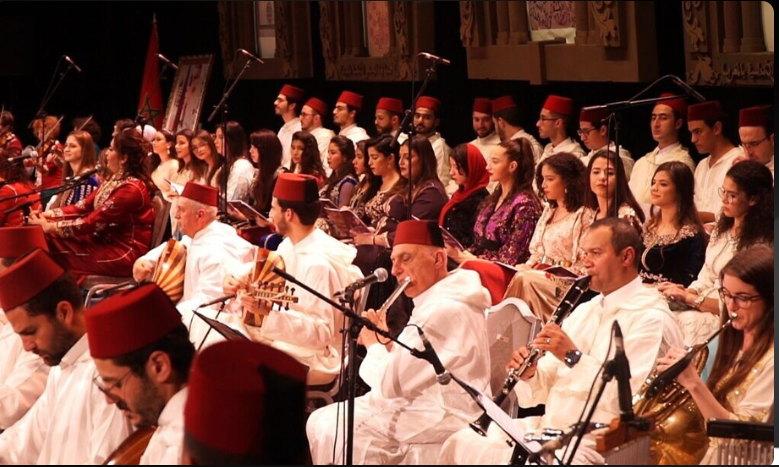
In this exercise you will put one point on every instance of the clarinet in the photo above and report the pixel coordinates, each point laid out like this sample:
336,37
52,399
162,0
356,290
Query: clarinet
564,309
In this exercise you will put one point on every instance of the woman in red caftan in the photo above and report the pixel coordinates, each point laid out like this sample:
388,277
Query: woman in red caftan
14,182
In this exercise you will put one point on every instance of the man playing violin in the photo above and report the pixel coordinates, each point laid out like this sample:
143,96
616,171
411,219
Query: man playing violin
144,372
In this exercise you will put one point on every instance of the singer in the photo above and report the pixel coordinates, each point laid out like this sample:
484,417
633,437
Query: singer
80,157
407,415
574,353
14,182
310,330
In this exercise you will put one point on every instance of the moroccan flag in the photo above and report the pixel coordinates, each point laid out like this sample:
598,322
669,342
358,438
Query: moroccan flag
150,104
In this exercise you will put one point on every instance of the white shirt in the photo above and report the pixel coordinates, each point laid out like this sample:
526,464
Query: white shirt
568,145
624,154
770,165
285,136
239,182
323,136
487,144
23,376
538,150
644,169
709,179
354,133
310,329
442,152
71,424
165,445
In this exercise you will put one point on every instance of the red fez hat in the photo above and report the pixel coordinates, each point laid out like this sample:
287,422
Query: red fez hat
595,117
679,105
559,105
16,241
318,105
753,116
129,321
200,193
390,104
296,188
419,233
351,98
503,103
26,278
292,92
429,102
246,401
709,110
482,105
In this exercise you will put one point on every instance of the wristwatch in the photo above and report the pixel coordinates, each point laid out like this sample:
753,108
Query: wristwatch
572,357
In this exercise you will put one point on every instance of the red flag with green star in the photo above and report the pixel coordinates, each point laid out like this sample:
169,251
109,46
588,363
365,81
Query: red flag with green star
150,104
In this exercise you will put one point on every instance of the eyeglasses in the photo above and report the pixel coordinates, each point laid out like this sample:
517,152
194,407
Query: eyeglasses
753,144
742,301
584,132
107,389
546,119
727,196
306,114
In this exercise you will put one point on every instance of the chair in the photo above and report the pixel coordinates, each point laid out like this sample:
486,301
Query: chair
510,325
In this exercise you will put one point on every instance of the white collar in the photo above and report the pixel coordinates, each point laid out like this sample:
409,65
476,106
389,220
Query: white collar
290,123
622,295
668,149
174,409
76,353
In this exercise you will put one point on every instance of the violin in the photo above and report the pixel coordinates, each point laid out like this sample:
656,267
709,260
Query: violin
131,450
6,138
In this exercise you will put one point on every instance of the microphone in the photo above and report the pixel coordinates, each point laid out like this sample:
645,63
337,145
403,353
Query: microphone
167,62
434,58
622,371
441,374
72,63
27,153
379,275
218,300
85,175
250,55
688,89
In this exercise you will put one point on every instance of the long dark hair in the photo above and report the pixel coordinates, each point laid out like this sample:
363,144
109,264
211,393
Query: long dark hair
346,148
754,179
624,195
205,136
236,143
198,168
684,184
520,151
311,159
130,143
155,159
371,181
753,266
571,170
270,151
428,165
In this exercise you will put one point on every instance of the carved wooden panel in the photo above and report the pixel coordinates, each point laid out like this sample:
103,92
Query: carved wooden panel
292,59
721,45
341,27
606,16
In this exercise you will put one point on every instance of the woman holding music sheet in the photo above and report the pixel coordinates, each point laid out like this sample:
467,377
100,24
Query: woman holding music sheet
556,239
14,182
469,171
106,232
741,384
80,157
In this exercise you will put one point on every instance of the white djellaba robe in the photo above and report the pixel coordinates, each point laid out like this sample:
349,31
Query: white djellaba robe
487,144
624,155
538,150
71,424
354,133
214,251
709,179
649,329
442,152
165,445
406,416
568,145
285,137
645,168
323,137
23,376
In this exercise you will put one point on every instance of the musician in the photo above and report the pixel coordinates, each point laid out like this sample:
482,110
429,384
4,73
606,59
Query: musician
562,378
80,157
508,124
23,374
305,157
339,185
14,182
747,209
368,184
238,166
407,415
164,163
666,122
310,329
552,124
71,423
144,372
741,384
609,194
49,163
427,119
312,118
287,105
266,153
389,114
191,169
593,131
756,131
113,226
345,116
213,248
469,172
484,127
8,140
246,406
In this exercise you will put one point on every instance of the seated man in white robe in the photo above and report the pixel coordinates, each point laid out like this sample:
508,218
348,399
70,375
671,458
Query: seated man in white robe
213,249
562,378
407,416
71,423
144,372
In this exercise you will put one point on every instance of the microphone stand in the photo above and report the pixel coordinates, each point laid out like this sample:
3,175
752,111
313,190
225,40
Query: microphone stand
51,91
219,312
222,105
27,205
